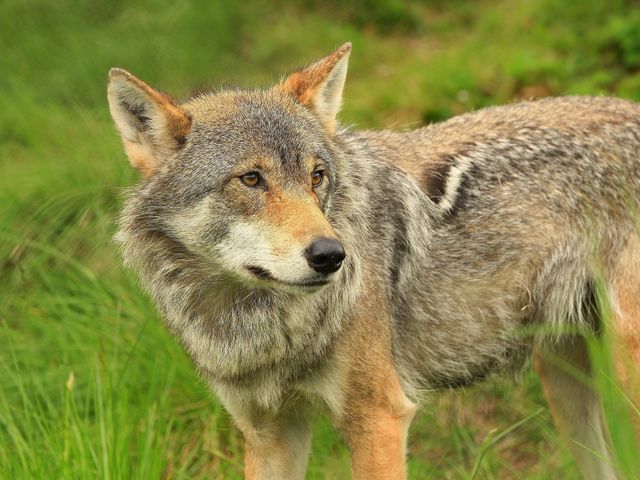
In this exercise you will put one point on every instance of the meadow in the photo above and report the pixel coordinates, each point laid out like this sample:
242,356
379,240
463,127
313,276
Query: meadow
91,384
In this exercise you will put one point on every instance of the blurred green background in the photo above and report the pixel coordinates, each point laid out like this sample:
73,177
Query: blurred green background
91,385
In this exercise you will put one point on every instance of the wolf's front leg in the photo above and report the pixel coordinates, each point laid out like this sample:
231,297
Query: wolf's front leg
277,439
375,426
276,446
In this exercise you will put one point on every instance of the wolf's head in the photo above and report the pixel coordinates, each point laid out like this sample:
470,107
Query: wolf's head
242,180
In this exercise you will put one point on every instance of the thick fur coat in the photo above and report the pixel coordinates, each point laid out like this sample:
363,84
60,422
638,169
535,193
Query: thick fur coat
470,245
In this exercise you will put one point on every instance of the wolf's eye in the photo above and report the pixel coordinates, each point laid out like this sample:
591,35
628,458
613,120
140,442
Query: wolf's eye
250,179
317,178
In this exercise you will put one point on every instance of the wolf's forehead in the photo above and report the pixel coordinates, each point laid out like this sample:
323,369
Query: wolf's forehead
256,123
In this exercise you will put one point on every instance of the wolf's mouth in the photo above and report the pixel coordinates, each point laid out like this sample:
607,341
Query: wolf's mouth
260,272
263,274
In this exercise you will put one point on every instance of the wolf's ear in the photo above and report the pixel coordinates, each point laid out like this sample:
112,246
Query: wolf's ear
319,86
152,126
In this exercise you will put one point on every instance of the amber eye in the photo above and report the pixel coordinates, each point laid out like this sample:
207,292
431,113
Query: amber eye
250,179
317,178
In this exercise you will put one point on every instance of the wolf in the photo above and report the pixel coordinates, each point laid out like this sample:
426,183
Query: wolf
303,264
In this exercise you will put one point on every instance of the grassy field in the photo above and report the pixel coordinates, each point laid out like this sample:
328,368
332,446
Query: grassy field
91,385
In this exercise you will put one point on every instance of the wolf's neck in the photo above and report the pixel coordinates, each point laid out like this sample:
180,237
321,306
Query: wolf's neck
233,331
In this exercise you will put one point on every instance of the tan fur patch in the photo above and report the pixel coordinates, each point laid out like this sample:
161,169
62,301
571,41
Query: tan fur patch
626,283
259,450
141,158
377,413
298,217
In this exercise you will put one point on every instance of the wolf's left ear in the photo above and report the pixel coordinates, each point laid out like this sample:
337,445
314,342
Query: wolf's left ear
319,86
152,126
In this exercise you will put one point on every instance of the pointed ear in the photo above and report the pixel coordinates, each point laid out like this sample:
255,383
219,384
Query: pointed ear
319,86
152,126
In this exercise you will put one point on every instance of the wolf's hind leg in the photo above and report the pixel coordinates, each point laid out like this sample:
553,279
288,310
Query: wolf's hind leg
575,406
626,326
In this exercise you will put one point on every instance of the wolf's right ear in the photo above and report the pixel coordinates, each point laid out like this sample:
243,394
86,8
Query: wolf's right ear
152,126
319,86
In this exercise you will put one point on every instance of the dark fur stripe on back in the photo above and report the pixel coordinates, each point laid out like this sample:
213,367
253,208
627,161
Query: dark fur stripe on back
434,179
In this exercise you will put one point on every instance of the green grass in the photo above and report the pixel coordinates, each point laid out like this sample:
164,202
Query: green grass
92,386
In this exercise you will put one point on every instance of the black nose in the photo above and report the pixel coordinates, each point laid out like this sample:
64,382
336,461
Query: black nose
325,255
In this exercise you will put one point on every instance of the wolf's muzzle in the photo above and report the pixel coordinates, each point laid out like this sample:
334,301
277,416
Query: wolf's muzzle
325,255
